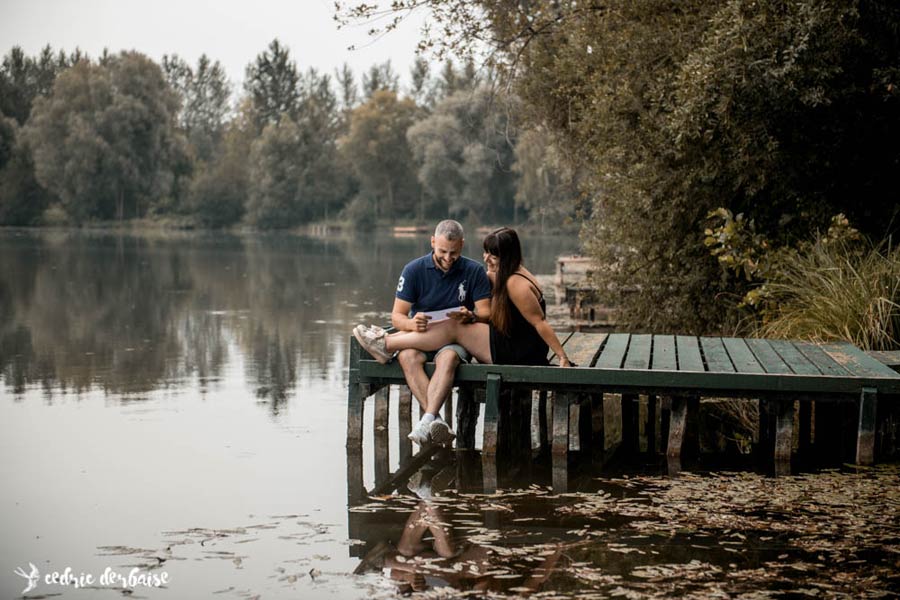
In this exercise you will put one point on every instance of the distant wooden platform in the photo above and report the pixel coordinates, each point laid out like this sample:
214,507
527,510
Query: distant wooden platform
674,372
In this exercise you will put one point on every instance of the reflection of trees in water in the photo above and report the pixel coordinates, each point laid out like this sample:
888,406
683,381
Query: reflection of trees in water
131,313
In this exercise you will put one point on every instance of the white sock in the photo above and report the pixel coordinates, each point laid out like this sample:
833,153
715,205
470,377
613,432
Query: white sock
427,418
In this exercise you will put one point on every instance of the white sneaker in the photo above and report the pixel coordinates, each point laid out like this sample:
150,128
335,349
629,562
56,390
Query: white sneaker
376,329
421,433
441,432
373,343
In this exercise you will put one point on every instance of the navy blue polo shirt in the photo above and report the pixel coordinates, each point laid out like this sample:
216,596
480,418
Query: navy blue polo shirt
426,287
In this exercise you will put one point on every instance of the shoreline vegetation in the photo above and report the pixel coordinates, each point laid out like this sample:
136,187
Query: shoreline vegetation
315,228
704,150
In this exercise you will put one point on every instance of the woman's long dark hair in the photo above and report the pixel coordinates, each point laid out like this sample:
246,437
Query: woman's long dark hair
504,244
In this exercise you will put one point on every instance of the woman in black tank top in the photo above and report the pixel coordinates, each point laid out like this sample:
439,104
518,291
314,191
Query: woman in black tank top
517,331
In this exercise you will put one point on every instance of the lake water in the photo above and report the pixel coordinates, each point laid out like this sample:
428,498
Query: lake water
176,405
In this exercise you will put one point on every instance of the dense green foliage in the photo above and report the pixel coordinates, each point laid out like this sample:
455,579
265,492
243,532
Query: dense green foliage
121,137
786,111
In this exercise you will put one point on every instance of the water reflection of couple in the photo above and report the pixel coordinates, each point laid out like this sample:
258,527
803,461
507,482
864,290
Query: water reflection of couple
417,563
514,330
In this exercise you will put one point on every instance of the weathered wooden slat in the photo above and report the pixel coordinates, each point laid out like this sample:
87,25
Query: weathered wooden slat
677,426
717,360
889,358
630,435
583,348
741,356
560,444
613,353
406,470
574,433
598,428
552,359
689,357
404,422
856,361
491,415
381,441
865,437
798,363
767,357
664,355
467,410
784,431
821,359
356,490
638,356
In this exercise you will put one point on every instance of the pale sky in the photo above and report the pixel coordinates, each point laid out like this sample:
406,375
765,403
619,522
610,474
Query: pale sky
231,31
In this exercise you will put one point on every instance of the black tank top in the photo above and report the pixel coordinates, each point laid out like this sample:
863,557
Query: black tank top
523,345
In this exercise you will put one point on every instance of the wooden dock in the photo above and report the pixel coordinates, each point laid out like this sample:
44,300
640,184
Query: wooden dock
814,385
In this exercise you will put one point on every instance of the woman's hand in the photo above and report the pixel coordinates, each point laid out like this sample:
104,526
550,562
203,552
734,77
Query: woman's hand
565,362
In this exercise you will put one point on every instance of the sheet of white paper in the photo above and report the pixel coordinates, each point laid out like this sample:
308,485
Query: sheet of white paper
440,315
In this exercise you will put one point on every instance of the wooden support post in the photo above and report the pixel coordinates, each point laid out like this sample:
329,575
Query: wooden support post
356,400
865,437
805,427
574,418
768,413
683,437
544,429
784,431
560,423
356,491
560,473
630,432
356,397
467,411
491,415
448,410
665,412
652,427
382,460
404,422
598,429
585,424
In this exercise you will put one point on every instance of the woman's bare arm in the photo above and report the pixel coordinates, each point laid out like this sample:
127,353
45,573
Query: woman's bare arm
521,293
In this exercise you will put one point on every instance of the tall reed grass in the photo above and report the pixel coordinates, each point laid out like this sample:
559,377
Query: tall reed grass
836,290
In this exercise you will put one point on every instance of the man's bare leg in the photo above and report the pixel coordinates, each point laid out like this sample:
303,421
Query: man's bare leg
441,382
413,364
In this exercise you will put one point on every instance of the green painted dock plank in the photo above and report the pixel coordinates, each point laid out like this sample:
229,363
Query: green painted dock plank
767,357
613,353
717,360
798,363
823,361
689,357
583,348
857,361
741,356
638,356
664,356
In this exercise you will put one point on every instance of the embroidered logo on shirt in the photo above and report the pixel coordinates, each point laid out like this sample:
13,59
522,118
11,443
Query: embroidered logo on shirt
462,292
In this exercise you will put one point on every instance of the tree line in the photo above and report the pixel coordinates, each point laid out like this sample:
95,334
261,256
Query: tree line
121,137
784,114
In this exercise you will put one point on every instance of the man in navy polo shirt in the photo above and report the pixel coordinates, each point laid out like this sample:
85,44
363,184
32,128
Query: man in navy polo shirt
440,280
